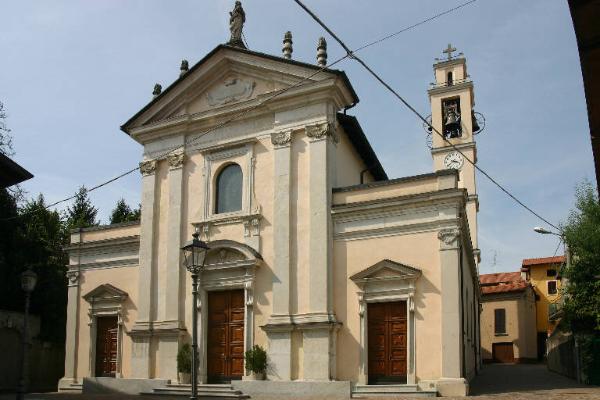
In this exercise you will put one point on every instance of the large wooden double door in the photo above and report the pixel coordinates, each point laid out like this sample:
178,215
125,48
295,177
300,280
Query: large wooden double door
387,342
107,330
225,347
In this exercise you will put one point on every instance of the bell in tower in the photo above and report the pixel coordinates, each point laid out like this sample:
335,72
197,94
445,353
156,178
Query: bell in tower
451,118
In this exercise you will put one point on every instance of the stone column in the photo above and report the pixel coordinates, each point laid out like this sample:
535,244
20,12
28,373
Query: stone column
451,382
279,331
142,329
72,330
170,328
319,339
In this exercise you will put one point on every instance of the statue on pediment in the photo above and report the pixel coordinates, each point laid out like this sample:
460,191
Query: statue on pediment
237,17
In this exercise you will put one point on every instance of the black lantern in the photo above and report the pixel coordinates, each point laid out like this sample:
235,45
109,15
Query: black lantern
194,253
28,281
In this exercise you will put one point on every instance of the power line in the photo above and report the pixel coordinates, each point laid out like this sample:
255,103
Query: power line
175,148
411,108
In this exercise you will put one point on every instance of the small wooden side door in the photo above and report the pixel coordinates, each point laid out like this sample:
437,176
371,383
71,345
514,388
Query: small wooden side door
387,342
225,347
503,352
106,346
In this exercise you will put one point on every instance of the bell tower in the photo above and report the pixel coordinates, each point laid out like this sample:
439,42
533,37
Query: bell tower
453,115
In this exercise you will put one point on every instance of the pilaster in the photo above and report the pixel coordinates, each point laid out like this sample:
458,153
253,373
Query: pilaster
280,341
72,329
141,331
451,315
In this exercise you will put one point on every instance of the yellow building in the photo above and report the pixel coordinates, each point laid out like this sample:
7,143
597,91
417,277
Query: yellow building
543,274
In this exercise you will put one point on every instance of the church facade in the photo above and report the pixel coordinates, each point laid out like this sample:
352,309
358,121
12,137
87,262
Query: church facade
348,279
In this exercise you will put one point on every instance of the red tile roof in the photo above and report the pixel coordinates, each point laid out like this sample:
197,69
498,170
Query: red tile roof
544,260
503,282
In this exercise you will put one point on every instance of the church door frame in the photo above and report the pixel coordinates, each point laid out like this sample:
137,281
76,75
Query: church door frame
220,275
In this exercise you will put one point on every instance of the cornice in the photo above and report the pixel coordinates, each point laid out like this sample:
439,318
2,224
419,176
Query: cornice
460,146
453,88
98,244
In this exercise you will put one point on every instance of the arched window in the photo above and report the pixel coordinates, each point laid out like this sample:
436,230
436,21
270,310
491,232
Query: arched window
229,189
450,79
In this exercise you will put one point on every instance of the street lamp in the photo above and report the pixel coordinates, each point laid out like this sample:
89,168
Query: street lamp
195,254
28,281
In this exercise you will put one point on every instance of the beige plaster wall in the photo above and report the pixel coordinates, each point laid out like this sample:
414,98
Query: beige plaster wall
104,233
124,278
415,250
348,164
520,324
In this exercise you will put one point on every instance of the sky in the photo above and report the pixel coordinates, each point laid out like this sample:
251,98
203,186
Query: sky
71,72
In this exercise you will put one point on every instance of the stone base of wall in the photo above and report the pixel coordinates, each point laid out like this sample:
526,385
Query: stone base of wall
306,390
121,386
447,387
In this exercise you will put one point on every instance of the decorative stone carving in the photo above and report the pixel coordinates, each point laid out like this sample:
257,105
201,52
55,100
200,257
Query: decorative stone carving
157,90
448,236
281,138
321,131
287,45
176,159
322,52
252,226
249,293
233,89
185,66
73,277
148,167
361,304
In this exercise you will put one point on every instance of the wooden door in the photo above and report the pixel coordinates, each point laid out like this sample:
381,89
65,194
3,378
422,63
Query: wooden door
503,352
106,346
225,347
387,342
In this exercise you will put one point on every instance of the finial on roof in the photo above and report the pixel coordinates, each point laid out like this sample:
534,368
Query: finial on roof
322,52
157,90
185,67
287,45
237,17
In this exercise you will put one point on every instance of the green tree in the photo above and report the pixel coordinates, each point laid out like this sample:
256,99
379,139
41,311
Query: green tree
123,213
582,234
5,134
82,213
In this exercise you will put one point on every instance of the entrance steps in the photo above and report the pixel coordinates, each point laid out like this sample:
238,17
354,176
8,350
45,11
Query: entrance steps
224,391
362,391
72,388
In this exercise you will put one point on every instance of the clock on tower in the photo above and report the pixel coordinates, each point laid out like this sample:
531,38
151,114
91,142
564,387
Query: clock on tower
453,116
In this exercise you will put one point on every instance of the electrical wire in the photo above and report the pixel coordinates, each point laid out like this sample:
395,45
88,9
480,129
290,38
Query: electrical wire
352,55
175,148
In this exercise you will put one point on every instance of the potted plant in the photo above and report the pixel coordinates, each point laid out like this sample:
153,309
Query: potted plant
256,362
184,363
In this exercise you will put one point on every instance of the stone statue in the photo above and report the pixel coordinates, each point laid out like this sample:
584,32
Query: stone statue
237,17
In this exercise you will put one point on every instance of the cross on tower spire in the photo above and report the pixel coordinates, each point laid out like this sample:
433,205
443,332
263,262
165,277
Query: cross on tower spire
449,51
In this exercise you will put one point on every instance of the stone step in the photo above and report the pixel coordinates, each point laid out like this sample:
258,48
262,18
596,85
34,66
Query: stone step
72,388
362,391
224,391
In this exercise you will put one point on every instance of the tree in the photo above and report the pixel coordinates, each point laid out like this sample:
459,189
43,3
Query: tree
5,135
123,213
82,213
582,234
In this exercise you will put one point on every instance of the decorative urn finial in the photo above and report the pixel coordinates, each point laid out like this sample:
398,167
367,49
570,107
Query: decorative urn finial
157,90
237,17
287,45
322,52
185,67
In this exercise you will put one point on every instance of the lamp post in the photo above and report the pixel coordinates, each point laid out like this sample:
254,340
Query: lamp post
28,281
544,231
195,254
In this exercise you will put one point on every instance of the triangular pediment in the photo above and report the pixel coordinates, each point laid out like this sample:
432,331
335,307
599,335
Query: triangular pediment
105,292
225,78
386,270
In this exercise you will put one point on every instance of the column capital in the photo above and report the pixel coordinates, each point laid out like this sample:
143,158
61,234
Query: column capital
321,131
72,277
148,167
282,138
448,238
176,159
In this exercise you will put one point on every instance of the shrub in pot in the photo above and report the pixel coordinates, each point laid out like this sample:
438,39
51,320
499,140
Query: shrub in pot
184,363
256,362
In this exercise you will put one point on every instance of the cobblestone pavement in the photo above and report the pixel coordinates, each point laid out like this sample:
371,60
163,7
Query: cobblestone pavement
496,382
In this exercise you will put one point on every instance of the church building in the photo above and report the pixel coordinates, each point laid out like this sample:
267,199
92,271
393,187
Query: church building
353,282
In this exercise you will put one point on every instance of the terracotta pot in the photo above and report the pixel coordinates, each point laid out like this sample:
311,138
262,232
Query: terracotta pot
184,377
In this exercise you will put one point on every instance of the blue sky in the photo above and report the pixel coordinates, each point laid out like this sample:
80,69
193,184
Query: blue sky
73,71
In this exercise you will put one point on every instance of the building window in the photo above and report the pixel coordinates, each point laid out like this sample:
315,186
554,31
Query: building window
228,197
449,79
551,287
550,272
500,321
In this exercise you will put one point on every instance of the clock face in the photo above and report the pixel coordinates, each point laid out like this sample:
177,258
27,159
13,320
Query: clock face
453,160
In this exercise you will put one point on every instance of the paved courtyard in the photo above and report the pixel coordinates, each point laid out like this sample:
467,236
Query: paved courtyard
496,382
